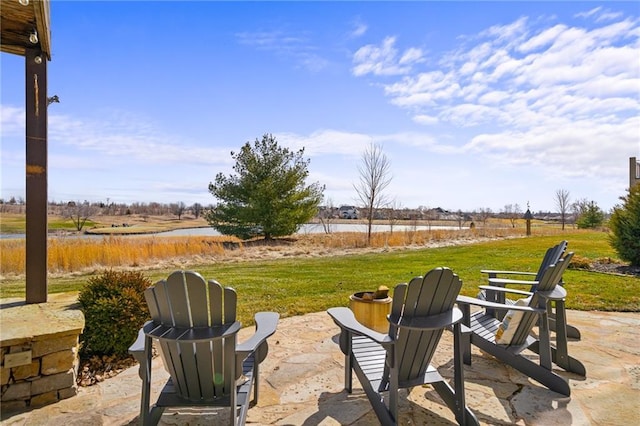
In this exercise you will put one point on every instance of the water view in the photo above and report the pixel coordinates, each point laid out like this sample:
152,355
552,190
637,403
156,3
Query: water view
308,228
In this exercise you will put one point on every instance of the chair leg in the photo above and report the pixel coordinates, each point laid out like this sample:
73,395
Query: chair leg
348,369
145,375
566,362
537,372
393,393
375,398
465,344
569,364
572,331
154,415
464,415
256,379
458,373
545,342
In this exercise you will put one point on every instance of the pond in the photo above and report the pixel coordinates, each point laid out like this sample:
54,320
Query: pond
307,228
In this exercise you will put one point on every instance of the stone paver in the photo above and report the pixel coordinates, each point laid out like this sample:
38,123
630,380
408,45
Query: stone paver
302,381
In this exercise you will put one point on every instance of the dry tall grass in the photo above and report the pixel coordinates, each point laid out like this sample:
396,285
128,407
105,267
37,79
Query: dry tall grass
404,238
75,254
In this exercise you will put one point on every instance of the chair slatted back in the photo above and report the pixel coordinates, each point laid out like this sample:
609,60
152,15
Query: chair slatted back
550,278
200,370
551,257
432,294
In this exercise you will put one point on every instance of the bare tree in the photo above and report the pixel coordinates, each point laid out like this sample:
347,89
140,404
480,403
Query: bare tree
178,209
484,213
461,218
375,176
429,215
326,216
197,209
79,213
562,202
393,214
512,212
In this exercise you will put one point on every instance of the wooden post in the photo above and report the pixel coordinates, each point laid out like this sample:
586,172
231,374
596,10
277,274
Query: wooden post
528,216
36,172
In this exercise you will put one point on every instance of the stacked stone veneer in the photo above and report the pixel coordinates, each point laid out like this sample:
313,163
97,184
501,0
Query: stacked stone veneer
43,339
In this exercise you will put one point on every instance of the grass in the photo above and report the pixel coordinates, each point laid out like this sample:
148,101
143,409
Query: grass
299,285
16,224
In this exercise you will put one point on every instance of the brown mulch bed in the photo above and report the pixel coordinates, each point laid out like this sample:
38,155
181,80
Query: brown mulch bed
97,369
615,268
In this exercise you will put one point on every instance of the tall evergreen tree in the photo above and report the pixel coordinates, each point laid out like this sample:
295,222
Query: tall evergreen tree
267,196
625,227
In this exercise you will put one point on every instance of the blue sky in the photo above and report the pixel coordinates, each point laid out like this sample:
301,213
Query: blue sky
476,104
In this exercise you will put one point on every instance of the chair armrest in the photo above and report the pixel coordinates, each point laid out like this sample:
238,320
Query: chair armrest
137,348
140,352
505,281
465,300
498,272
345,319
433,322
505,290
266,324
558,293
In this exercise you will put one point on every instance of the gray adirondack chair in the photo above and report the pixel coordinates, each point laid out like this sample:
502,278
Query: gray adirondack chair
195,323
420,311
482,327
496,278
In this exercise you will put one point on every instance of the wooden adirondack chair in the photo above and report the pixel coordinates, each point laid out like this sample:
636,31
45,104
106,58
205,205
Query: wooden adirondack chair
194,322
482,328
420,312
496,278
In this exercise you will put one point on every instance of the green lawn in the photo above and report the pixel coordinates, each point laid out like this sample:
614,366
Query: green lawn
295,286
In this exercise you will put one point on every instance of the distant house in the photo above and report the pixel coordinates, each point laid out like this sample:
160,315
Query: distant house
348,212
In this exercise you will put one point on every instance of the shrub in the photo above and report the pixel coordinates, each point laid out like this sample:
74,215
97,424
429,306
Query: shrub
625,227
579,262
114,308
591,216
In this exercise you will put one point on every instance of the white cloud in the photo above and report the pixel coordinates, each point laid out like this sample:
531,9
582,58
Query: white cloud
607,16
12,121
384,59
589,13
560,97
494,98
543,39
298,47
600,14
425,119
322,142
120,138
359,28
410,56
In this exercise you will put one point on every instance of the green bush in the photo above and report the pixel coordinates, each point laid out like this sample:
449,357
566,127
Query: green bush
591,216
625,227
114,308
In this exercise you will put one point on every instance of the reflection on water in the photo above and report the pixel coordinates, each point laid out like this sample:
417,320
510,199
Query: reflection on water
308,228
312,228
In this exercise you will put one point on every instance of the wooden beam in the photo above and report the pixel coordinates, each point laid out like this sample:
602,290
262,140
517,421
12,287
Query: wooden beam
36,172
44,26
